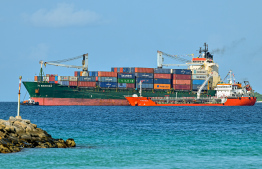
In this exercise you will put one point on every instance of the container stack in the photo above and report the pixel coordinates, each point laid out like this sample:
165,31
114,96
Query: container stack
146,75
126,80
86,81
198,78
107,79
63,80
123,69
73,81
182,79
162,78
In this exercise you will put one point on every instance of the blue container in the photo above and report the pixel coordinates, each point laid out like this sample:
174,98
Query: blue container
144,75
196,87
107,84
121,85
87,78
145,86
145,80
107,79
163,71
64,83
129,69
93,73
182,71
162,81
39,78
198,82
56,78
126,75
112,69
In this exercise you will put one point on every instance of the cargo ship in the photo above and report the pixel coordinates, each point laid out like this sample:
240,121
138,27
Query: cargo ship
109,88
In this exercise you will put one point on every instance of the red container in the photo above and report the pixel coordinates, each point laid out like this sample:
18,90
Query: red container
130,85
51,78
87,84
181,77
121,70
115,69
56,82
72,83
162,76
184,82
144,70
97,79
181,87
107,74
75,74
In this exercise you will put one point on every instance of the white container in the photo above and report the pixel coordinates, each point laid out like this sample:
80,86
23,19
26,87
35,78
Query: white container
45,78
72,78
199,72
199,77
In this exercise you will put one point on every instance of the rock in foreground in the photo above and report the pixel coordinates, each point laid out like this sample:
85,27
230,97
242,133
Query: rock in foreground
16,134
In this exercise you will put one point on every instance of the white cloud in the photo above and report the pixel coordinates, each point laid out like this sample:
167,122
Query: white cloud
63,15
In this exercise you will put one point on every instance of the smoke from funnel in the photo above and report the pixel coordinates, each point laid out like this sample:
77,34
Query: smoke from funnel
233,45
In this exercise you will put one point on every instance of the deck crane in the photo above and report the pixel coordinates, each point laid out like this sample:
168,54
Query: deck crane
84,66
160,60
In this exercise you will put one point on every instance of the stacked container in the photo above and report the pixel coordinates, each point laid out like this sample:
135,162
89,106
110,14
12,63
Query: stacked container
146,76
63,80
126,80
107,79
182,79
162,78
198,78
86,81
123,69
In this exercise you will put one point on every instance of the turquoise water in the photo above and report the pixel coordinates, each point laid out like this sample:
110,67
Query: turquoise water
143,137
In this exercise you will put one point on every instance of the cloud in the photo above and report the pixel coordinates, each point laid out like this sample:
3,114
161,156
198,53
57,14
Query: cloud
62,16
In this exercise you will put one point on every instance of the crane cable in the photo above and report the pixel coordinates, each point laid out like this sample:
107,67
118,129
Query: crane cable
66,60
178,57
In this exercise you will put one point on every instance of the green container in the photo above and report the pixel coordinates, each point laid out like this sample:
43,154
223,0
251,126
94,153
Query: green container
126,80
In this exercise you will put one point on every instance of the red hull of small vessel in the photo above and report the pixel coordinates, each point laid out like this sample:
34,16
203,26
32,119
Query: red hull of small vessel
241,101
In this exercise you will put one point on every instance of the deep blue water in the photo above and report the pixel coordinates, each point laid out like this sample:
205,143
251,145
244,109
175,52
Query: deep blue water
143,137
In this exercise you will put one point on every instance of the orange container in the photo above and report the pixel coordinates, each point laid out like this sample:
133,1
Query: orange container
144,70
162,86
121,70
87,84
81,73
35,78
184,82
107,74
115,69
162,76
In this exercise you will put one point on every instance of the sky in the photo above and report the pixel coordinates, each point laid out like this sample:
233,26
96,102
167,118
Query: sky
123,33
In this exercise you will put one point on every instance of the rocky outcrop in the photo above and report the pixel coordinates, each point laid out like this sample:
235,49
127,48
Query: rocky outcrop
16,134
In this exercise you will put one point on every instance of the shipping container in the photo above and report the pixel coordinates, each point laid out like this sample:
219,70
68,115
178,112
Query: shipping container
35,79
162,86
63,78
71,78
181,77
45,79
107,79
185,82
121,85
107,84
128,69
199,77
198,82
162,81
145,86
182,71
87,78
163,71
64,83
130,85
144,80
93,73
107,74
126,75
51,78
126,80
181,87
162,76
51,82
196,87
144,70
86,84
56,78
56,82
72,83
144,75
199,72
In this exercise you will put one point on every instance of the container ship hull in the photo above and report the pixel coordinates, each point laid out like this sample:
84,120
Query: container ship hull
58,95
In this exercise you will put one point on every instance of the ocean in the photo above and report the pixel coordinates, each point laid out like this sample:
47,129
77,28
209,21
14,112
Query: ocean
142,137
